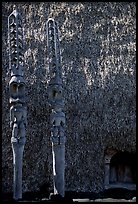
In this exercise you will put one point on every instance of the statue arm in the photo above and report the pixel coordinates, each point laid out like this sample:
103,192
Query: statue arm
25,116
52,118
63,122
11,116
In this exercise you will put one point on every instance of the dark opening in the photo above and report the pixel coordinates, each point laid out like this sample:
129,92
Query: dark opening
123,168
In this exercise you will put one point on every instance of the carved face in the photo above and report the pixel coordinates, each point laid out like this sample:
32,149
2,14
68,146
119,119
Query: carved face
17,89
55,93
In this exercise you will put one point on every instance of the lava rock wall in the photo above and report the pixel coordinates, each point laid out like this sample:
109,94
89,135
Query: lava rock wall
98,53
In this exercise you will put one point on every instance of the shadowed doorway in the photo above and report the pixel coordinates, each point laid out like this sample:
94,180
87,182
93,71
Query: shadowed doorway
123,168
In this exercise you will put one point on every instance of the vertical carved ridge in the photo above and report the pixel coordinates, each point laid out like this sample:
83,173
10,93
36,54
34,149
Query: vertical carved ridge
53,48
15,41
58,55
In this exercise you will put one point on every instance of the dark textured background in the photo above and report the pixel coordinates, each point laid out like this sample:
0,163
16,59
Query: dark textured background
98,61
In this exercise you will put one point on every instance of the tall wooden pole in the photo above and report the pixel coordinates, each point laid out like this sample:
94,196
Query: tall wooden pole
18,110
56,101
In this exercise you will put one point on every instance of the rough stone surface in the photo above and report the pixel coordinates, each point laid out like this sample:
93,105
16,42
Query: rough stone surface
99,63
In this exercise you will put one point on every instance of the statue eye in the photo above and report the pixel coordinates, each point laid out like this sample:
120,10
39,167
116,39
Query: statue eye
54,93
21,88
14,87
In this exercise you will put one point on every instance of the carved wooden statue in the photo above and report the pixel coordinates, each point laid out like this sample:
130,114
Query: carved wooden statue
57,117
18,110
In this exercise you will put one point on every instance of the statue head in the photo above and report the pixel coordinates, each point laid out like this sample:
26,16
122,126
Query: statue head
17,89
